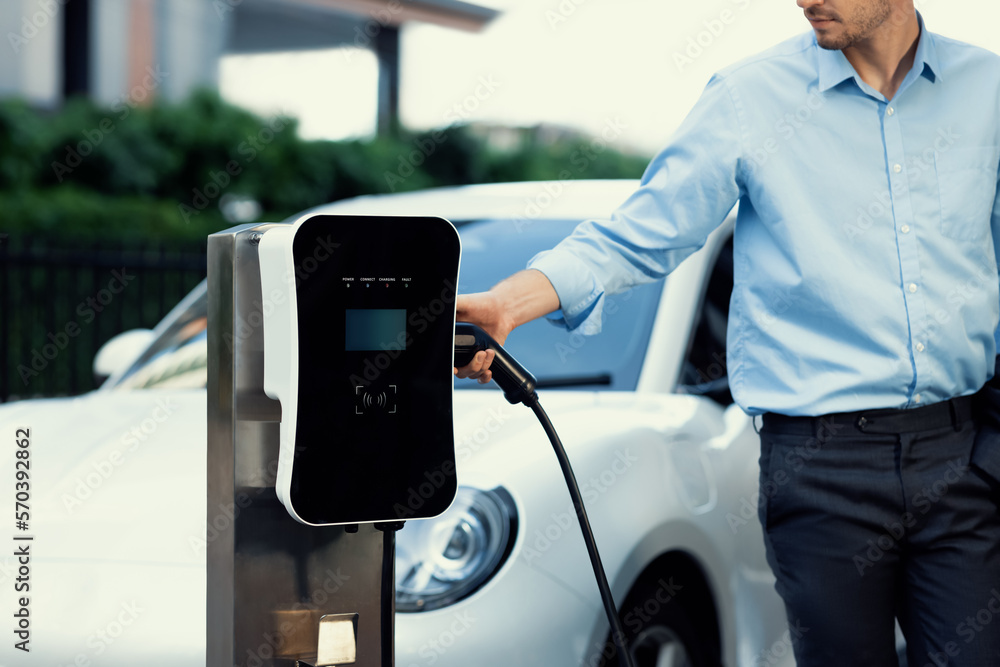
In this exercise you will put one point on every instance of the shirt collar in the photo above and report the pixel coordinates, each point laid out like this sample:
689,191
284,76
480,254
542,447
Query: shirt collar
834,68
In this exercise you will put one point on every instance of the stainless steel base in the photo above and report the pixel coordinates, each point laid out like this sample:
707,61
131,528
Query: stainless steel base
270,579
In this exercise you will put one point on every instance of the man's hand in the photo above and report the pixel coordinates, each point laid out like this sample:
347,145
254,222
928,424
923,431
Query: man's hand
484,309
524,296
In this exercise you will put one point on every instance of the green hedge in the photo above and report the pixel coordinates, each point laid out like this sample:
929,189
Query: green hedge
160,171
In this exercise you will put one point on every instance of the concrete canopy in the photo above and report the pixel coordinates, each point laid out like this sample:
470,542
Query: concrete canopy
260,26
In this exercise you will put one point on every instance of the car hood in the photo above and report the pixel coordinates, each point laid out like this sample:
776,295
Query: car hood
116,514
118,503
120,458
115,460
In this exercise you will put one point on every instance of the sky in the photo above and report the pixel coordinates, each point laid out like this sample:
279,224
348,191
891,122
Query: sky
637,64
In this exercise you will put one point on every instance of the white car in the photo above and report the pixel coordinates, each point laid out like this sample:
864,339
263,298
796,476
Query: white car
667,465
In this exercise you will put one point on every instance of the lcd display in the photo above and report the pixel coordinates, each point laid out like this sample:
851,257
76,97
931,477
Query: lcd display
375,329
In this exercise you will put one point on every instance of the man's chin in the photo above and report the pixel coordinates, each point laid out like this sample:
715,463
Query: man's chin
832,42
829,46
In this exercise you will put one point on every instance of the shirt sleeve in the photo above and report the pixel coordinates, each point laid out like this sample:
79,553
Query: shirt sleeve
685,193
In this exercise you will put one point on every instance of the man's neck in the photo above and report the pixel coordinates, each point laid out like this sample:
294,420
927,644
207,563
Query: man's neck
883,59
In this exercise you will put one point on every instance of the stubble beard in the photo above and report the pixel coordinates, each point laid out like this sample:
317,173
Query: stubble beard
859,27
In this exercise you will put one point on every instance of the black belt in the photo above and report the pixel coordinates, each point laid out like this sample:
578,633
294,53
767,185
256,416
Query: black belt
954,412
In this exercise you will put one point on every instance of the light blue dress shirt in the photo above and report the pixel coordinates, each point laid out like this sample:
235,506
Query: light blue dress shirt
866,234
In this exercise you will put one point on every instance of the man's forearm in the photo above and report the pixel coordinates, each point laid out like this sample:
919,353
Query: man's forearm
526,295
522,297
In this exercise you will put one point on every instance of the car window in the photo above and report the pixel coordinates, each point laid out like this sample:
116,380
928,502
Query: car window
178,357
491,250
704,371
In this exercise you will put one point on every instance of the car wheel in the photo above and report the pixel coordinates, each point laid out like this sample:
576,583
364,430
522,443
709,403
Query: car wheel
665,638
659,646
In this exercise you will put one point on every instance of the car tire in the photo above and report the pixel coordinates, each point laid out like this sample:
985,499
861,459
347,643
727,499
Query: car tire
665,638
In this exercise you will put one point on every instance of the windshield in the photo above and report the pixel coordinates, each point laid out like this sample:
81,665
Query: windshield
178,357
491,250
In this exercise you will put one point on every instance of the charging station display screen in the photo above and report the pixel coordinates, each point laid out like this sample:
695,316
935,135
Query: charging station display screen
375,329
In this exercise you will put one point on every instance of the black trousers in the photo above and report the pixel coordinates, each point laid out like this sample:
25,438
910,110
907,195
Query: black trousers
874,516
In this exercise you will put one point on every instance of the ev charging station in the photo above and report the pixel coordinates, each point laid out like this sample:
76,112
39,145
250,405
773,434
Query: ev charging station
331,343
330,353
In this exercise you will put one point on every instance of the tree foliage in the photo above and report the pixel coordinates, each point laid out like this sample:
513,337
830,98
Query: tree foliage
161,171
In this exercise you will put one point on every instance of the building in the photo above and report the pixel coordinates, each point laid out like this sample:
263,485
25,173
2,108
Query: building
115,49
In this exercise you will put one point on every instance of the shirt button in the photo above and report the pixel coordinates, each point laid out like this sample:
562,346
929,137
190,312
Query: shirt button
919,347
897,168
890,111
912,287
905,229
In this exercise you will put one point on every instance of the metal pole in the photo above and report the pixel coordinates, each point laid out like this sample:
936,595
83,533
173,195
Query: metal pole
270,580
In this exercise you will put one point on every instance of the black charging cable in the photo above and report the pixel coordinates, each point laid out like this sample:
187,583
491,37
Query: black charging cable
388,606
519,387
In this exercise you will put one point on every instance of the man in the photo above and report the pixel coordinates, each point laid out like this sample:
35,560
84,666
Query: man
864,156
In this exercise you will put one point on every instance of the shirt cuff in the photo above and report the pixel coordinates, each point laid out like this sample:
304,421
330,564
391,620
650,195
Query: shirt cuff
581,293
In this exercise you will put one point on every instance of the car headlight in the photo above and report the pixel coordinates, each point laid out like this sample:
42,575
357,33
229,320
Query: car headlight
442,560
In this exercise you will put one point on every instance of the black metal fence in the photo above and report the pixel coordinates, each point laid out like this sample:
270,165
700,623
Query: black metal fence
59,303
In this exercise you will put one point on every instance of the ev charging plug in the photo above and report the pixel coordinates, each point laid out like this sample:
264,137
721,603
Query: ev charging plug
517,383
